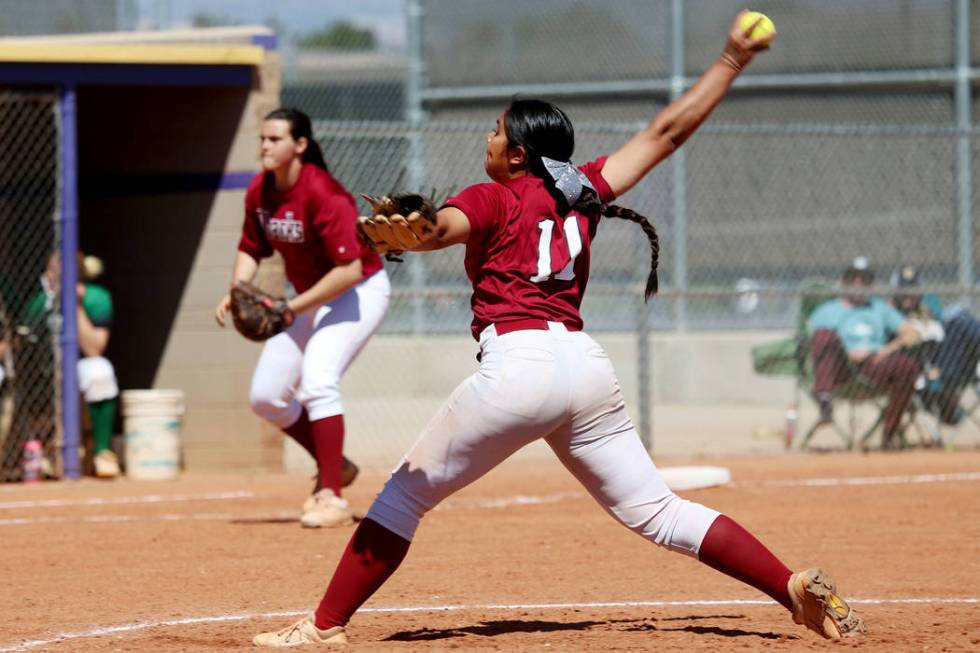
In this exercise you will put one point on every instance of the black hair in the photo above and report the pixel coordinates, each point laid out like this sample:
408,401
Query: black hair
856,274
300,126
543,129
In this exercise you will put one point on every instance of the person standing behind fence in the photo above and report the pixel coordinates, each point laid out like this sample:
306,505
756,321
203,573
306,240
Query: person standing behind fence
34,413
528,236
849,335
297,208
33,357
96,374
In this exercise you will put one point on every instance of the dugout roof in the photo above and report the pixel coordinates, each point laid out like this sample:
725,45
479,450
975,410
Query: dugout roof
140,58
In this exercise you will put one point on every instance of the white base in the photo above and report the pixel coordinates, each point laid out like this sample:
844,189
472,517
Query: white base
694,478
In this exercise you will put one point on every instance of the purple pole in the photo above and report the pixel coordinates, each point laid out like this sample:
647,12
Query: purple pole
70,413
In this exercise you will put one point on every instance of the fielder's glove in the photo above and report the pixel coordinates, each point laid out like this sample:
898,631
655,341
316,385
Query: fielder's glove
400,223
258,315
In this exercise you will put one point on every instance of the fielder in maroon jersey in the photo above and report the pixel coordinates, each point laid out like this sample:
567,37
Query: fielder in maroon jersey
527,236
295,207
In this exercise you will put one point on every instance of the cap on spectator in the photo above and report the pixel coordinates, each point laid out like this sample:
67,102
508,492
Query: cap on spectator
906,276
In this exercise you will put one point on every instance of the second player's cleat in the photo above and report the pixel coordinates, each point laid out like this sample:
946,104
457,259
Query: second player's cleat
325,510
348,472
106,464
817,606
302,632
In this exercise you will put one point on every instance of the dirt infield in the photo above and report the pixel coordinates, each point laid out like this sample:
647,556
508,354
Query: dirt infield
521,561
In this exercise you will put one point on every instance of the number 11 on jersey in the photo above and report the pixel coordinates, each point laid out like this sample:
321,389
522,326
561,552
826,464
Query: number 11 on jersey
574,240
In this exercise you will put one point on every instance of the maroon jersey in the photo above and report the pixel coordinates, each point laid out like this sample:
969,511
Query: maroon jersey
313,225
523,258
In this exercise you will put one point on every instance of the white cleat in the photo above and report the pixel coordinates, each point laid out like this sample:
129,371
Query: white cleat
106,464
326,510
302,632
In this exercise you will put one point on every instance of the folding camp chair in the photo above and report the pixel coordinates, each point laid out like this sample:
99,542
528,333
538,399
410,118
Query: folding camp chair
792,357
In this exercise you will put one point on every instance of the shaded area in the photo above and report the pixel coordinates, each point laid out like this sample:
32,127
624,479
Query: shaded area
262,521
728,632
492,629
510,626
145,198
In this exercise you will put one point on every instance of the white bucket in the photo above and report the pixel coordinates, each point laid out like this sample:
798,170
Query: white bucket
151,422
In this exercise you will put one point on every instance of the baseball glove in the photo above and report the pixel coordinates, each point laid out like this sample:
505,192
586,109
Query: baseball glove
399,223
258,315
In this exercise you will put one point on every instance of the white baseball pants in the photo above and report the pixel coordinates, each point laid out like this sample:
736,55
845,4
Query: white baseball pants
301,367
560,386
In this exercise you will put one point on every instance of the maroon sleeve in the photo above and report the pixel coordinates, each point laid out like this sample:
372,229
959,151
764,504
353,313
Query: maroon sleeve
335,223
593,170
253,241
483,206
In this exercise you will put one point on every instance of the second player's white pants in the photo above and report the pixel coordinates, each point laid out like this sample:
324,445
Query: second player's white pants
560,386
302,366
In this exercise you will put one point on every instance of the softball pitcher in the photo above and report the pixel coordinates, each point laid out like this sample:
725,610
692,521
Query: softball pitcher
297,208
527,236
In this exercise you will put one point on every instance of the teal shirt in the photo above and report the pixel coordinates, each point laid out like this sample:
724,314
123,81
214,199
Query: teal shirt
935,307
860,328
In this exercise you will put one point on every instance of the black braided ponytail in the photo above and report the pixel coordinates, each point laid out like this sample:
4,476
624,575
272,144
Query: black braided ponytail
543,129
588,204
623,213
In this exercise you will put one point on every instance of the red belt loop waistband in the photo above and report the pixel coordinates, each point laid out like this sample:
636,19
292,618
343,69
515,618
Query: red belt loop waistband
529,324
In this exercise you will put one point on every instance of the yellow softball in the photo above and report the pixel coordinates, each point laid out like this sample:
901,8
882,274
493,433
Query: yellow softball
765,29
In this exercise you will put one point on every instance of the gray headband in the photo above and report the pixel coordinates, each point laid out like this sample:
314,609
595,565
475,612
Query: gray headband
568,179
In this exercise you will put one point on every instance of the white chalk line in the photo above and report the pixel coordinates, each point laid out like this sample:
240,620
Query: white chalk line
108,501
456,504
143,625
507,502
521,500
488,504
910,479
226,516
110,519
504,502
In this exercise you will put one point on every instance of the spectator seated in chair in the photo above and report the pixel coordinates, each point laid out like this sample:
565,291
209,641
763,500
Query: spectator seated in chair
951,343
849,337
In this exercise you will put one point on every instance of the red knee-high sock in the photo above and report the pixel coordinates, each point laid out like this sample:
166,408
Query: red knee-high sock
328,438
372,555
300,431
734,551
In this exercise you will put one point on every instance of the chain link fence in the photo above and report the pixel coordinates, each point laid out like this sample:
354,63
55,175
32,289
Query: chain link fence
768,207
29,17
844,141
29,317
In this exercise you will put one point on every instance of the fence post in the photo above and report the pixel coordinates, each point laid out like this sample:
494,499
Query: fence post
679,170
70,407
644,382
964,172
415,161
